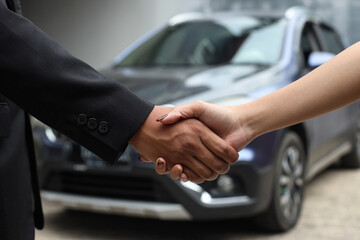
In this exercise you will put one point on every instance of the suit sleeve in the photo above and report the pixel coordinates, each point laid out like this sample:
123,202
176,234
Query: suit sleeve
64,92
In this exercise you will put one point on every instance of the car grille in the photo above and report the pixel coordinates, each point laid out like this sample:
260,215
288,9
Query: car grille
109,186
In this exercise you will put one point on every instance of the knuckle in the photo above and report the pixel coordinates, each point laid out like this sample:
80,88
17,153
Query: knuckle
220,166
231,154
215,176
209,175
191,175
188,144
234,158
195,127
224,169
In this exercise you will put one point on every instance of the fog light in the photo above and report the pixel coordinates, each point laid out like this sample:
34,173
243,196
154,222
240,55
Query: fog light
226,183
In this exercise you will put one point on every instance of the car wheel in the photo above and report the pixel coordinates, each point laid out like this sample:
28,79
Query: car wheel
352,160
288,188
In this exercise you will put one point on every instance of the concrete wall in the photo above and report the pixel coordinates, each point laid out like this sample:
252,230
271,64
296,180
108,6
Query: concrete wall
97,30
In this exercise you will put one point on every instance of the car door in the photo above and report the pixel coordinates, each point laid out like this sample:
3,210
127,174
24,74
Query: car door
326,132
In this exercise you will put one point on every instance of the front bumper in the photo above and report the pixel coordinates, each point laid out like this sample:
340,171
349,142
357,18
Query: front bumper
133,188
169,211
175,200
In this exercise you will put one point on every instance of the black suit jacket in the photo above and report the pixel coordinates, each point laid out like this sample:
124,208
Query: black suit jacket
41,78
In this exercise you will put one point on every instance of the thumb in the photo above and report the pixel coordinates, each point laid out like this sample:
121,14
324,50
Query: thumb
171,117
178,113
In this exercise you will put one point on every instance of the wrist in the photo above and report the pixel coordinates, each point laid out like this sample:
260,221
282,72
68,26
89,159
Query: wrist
149,123
249,120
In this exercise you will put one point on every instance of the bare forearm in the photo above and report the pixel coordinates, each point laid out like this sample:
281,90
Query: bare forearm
330,86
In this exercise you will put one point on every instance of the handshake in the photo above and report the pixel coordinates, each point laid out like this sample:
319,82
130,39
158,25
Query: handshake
195,142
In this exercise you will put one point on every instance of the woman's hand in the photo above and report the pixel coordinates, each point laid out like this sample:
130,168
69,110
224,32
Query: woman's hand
226,122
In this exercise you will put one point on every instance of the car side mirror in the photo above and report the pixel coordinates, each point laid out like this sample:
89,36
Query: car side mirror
318,58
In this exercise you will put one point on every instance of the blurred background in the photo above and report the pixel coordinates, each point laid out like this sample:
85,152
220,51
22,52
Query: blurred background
96,31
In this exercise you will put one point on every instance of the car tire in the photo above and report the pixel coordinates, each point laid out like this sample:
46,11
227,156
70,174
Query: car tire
352,159
288,188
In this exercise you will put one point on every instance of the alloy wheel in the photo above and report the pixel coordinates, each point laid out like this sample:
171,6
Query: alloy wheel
291,182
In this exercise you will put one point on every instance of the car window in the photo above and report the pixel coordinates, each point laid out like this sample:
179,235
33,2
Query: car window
331,39
194,44
308,43
262,45
212,43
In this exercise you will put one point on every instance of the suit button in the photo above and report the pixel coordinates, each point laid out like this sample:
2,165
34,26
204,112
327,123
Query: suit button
103,127
82,119
92,123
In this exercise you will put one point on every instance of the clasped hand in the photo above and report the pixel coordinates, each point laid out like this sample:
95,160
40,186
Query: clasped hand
188,145
191,150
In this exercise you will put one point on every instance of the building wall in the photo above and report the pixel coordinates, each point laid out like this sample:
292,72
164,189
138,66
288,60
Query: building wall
96,31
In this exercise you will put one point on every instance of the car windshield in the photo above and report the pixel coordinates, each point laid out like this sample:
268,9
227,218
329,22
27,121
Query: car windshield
245,40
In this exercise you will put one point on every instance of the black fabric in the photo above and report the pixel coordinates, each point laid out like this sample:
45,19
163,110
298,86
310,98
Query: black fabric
38,211
4,120
16,196
40,77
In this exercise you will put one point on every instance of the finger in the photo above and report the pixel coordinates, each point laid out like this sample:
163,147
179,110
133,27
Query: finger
219,147
192,176
160,166
182,112
184,177
198,167
143,159
171,117
176,171
208,158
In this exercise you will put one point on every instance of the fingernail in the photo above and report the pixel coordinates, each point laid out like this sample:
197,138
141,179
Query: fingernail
159,161
183,177
162,117
178,169
141,160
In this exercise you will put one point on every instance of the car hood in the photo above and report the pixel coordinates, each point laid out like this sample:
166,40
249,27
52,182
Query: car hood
162,85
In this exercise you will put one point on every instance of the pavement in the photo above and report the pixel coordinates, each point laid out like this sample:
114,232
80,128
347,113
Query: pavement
331,211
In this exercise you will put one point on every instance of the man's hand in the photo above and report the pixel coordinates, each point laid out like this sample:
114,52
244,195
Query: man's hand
202,154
